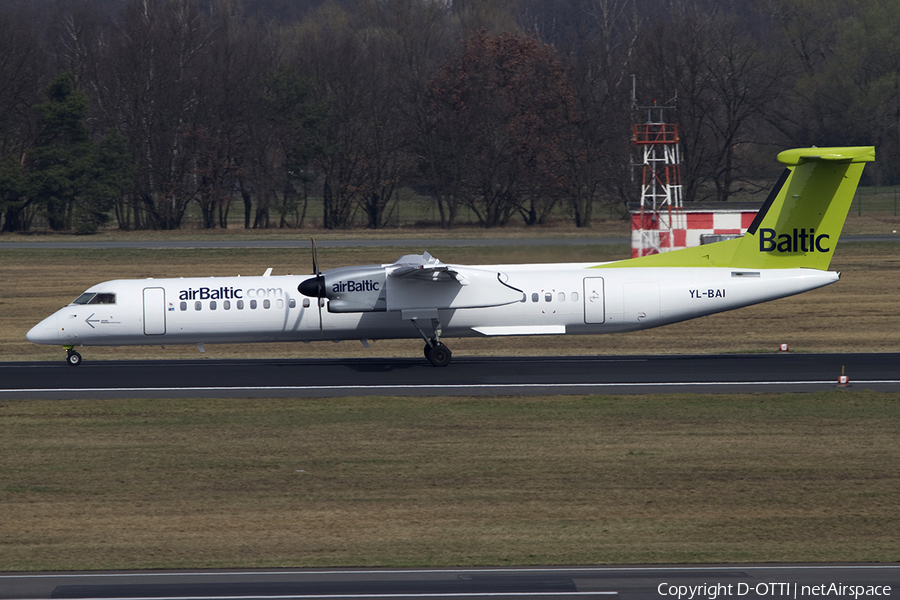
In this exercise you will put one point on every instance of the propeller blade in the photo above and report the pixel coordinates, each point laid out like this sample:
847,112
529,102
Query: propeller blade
319,304
320,283
315,257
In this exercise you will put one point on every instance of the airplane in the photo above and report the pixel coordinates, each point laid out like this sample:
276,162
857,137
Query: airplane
786,250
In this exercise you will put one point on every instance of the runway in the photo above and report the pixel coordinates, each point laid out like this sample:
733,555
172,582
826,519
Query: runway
691,582
465,376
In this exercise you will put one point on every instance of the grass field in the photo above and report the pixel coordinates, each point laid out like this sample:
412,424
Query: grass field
412,210
118,484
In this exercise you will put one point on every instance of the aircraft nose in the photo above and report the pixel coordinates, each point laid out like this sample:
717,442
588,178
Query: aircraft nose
45,332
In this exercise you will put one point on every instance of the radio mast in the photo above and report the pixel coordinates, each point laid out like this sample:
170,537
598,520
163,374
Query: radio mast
656,143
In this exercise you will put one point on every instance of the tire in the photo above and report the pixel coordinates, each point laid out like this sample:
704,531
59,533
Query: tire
73,358
439,355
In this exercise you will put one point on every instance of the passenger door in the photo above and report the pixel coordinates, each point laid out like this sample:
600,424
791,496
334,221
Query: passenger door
154,311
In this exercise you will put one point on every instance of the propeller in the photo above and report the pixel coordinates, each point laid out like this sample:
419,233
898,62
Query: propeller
315,257
315,287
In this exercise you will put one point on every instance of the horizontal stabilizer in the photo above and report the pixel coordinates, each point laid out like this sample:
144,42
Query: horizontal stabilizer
852,154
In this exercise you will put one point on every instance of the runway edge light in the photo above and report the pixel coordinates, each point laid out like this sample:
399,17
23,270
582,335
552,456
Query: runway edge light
843,380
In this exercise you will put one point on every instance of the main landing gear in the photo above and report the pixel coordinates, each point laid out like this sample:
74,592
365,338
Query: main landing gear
72,357
435,351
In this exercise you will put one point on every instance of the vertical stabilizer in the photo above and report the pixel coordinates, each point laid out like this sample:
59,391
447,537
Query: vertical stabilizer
798,225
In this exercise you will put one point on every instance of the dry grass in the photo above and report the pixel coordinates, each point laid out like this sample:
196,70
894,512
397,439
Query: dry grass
449,481
858,314
885,224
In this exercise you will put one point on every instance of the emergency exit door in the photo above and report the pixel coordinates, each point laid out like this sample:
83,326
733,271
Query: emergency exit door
594,300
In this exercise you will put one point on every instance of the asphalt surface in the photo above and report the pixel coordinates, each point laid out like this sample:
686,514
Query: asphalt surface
693,582
465,376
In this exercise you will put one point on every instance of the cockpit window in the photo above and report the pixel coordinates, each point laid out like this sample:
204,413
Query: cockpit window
84,298
95,298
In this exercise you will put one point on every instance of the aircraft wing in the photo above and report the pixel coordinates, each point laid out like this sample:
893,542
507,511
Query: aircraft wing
425,267
424,282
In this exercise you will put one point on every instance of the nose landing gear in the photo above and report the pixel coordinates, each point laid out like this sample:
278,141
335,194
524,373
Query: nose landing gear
72,357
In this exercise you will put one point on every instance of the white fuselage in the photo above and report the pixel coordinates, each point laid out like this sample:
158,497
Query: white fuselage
558,299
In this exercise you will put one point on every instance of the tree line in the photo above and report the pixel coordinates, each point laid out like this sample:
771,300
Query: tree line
136,110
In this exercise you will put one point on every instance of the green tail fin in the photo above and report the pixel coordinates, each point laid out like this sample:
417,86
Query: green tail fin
798,225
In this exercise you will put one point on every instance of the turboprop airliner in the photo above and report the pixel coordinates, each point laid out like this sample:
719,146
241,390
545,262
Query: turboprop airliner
786,250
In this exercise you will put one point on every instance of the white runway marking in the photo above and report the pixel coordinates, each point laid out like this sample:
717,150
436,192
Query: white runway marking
446,387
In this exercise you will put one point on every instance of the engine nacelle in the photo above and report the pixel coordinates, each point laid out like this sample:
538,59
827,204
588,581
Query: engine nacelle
349,289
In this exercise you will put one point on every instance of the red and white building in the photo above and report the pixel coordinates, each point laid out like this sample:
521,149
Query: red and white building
689,225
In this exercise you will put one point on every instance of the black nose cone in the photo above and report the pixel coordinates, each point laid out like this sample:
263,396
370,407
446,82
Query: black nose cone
313,287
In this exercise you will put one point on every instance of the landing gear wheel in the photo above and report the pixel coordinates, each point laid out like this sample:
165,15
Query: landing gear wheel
439,355
73,358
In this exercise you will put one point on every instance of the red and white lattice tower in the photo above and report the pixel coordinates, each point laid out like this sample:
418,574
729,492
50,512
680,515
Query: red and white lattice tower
654,226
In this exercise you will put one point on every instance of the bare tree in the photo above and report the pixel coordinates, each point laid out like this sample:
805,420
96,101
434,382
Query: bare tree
230,81
23,73
866,78
415,37
364,134
500,109
156,58
596,40
725,80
